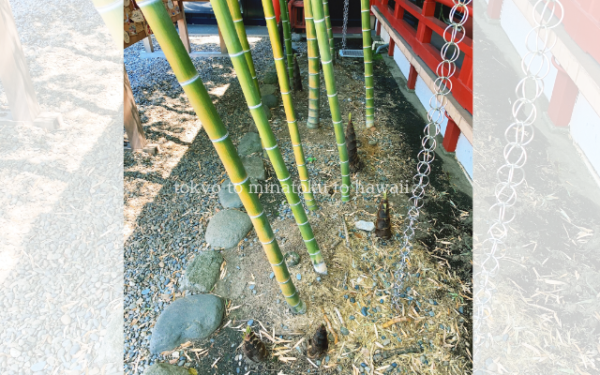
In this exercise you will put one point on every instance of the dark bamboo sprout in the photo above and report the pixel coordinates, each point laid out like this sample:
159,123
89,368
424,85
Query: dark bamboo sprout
254,349
297,76
383,225
355,163
319,344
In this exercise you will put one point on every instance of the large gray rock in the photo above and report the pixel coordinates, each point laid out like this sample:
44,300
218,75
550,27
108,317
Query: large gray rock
165,369
270,101
249,144
227,228
202,273
268,90
255,167
270,78
192,318
228,196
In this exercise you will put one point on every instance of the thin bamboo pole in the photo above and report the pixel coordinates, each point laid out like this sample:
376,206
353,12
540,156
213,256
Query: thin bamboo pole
287,36
111,12
253,100
234,9
334,106
314,69
329,29
288,103
186,74
368,53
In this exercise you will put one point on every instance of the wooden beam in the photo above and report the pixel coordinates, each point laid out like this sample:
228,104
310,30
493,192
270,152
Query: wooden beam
183,29
14,72
132,121
462,118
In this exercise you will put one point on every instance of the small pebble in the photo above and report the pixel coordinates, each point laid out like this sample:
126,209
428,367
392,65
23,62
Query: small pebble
299,277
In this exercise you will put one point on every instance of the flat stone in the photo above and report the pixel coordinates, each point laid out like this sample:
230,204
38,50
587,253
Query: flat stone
202,273
365,225
227,228
255,167
270,101
268,89
249,144
166,369
228,195
270,78
192,318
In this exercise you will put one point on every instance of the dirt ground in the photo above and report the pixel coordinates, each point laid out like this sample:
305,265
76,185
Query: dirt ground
163,230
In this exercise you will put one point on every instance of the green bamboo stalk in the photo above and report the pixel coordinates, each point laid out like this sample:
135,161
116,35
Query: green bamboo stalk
368,53
334,106
186,74
314,68
253,100
287,36
288,103
234,9
329,29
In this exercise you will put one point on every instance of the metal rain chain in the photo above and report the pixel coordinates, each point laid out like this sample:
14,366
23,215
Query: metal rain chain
450,52
358,53
536,66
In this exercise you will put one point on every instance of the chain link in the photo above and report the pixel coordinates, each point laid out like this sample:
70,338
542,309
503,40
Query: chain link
345,26
453,35
536,66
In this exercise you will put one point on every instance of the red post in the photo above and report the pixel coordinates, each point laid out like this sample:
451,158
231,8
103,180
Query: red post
424,32
564,95
378,28
391,47
451,136
277,10
494,9
412,78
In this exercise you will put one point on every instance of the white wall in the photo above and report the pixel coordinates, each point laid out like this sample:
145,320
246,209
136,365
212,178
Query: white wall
585,130
585,122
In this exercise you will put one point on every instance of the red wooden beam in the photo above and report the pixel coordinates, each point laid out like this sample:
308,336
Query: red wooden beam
451,136
564,96
412,78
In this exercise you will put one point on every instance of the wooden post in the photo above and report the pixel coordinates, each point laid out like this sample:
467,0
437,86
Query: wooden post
183,29
451,136
14,72
391,47
222,43
132,121
424,32
378,27
148,47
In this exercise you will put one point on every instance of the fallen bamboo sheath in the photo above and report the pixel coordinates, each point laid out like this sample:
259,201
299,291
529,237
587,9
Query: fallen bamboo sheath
335,336
394,321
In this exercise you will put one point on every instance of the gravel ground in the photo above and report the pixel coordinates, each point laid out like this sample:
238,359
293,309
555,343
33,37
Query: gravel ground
164,229
61,215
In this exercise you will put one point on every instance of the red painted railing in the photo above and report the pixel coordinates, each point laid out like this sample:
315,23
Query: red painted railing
582,22
420,40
